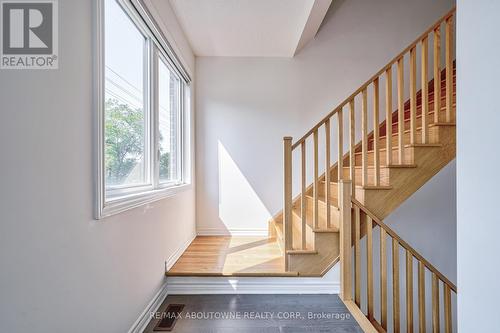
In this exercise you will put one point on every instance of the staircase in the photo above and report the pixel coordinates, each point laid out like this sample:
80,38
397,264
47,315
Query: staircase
370,166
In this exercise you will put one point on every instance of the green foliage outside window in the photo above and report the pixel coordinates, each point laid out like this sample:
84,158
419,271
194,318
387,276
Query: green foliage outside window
124,141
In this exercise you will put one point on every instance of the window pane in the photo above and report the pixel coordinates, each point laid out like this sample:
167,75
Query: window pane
168,88
124,99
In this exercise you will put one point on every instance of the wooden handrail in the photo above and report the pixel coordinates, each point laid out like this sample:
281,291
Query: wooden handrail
375,76
404,244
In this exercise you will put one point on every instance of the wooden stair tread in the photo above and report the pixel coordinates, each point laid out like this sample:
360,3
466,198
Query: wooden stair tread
402,166
423,145
374,187
393,166
443,124
301,252
366,187
320,230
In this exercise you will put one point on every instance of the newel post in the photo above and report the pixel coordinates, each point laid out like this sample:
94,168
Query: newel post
345,240
287,198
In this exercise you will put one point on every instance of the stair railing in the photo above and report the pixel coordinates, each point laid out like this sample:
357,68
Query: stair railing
369,172
358,222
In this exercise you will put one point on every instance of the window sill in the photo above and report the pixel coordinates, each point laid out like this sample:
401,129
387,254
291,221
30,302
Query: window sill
120,204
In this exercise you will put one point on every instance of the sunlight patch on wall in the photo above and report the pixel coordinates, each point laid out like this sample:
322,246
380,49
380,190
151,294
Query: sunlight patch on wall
240,208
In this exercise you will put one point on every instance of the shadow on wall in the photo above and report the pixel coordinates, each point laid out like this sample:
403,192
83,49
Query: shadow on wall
239,204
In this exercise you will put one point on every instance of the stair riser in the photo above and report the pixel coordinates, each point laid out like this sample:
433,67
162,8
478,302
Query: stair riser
334,192
297,234
384,176
334,213
430,119
431,138
407,157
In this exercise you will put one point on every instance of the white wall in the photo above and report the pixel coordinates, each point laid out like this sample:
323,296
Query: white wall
246,105
60,270
428,221
478,159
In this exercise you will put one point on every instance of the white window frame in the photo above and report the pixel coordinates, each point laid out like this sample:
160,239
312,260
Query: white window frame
122,198
161,56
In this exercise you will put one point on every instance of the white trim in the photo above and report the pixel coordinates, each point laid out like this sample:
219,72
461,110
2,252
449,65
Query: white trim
142,322
164,42
232,232
251,285
98,106
139,199
177,254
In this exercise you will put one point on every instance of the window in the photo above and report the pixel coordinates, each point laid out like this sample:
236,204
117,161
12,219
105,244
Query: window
125,101
142,113
169,99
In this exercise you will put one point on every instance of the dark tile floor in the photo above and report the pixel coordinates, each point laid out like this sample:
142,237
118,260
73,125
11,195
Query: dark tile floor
260,314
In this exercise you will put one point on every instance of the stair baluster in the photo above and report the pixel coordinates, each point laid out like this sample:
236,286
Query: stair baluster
315,181
340,145
409,292
327,174
383,279
401,108
388,115
413,95
376,129
303,199
364,139
435,304
425,89
437,72
352,149
421,296
449,67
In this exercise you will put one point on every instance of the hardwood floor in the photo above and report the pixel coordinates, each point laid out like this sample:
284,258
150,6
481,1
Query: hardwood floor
231,256
260,313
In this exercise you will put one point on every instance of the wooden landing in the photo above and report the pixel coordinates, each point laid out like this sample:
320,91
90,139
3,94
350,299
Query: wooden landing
231,256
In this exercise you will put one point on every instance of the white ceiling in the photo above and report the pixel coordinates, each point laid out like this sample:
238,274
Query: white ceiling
251,28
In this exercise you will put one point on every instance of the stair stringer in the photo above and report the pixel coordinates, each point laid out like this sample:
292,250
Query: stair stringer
404,182
327,245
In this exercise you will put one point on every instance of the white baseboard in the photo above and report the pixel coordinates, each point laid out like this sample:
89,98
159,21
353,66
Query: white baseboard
140,324
184,285
232,232
176,255
243,285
